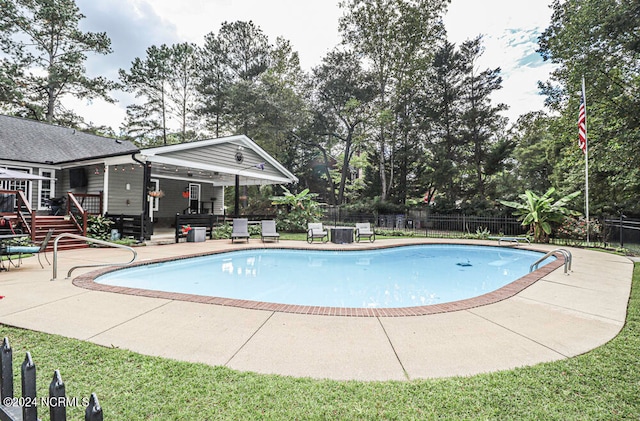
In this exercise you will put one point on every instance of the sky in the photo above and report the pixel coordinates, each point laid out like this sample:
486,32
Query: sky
509,29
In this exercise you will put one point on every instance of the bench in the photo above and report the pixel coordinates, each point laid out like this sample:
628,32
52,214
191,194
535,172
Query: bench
208,222
515,240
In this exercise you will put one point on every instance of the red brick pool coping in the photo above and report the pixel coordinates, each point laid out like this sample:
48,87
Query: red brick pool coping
87,281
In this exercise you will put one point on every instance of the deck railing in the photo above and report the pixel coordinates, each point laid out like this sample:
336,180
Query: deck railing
77,213
25,216
91,203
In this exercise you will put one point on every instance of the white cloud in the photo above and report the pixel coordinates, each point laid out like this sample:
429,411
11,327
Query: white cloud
510,31
509,28
312,27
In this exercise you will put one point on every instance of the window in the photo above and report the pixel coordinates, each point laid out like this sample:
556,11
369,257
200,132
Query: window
46,189
23,185
154,206
194,198
15,184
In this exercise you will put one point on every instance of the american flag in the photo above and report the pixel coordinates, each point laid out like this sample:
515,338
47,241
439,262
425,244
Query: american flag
582,123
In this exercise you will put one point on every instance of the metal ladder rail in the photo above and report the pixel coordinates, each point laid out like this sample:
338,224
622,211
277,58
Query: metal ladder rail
567,260
91,240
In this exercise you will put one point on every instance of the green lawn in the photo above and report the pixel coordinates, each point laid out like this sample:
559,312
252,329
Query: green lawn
600,385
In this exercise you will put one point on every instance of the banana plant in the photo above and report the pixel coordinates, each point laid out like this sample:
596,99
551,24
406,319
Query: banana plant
301,209
538,212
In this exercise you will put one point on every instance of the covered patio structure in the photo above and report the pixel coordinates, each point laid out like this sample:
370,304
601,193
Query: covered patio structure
190,178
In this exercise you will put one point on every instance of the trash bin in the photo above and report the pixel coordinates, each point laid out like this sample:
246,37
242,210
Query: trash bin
196,235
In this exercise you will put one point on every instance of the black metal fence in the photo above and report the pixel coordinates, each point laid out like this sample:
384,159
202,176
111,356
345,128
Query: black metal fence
25,407
622,231
618,231
431,225
454,225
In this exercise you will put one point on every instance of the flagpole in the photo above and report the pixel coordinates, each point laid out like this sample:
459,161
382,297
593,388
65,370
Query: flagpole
586,159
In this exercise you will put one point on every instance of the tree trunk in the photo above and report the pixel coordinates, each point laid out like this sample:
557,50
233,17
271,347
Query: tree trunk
345,166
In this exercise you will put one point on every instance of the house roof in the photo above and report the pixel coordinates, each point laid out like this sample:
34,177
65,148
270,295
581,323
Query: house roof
214,159
43,143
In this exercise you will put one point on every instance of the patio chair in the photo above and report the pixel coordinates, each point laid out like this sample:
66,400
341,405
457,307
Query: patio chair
37,249
315,230
269,230
240,230
363,230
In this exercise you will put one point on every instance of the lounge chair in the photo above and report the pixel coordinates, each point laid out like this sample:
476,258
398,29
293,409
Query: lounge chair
315,230
269,230
363,230
37,249
240,230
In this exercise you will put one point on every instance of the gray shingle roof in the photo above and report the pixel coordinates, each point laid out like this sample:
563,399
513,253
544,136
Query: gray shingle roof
33,141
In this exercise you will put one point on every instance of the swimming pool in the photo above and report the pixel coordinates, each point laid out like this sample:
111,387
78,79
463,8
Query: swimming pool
397,277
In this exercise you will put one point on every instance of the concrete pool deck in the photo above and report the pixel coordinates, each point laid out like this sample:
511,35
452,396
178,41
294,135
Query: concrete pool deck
557,317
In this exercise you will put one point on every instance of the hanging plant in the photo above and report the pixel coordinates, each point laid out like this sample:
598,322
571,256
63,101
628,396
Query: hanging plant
185,194
158,193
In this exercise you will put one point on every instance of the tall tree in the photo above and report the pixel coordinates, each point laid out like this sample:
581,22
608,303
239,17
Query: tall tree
392,36
248,57
214,85
535,155
166,81
251,87
439,111
343,96
149,79
44,58
282,107
480,119
183,61
597,39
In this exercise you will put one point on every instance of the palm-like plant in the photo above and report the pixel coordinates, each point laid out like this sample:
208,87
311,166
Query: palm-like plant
538,212
301,209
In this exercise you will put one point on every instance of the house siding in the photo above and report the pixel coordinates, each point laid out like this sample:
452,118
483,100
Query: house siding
225,155
174,203
96,182
121,200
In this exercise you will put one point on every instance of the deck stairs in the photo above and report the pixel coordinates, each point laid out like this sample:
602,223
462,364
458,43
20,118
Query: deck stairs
60,225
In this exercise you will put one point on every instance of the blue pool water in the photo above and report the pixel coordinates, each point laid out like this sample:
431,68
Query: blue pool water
393,277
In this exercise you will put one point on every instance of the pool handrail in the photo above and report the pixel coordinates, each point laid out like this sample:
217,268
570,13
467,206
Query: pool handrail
90,240
565,253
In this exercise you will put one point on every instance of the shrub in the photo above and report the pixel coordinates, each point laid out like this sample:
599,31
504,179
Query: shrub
99,227
223,232
576,229
397,233
296,210
540,211
482,233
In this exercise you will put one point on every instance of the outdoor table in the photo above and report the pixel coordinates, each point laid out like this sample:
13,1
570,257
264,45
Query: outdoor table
3,240
341,235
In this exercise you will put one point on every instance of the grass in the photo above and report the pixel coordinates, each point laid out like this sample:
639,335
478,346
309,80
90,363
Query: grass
600,385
